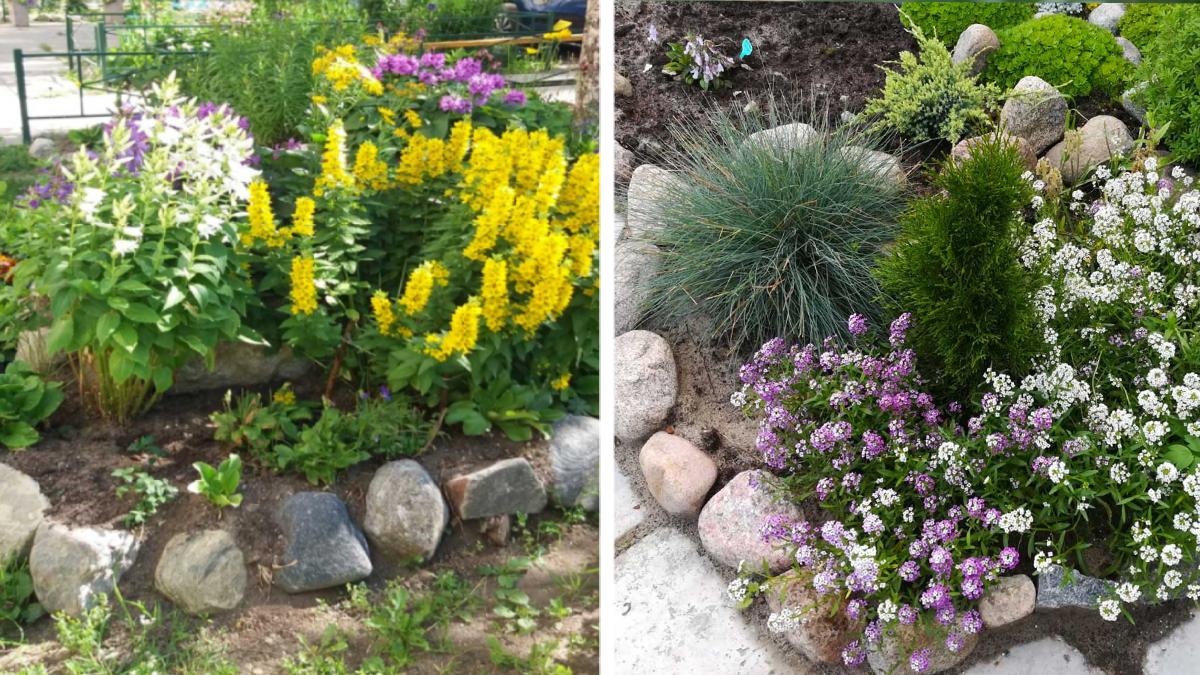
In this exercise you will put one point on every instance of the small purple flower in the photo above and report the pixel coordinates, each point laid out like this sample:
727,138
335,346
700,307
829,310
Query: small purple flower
919,661
1009,557
907,614
455,104
515,97
853,654
857,324
910,571
385,393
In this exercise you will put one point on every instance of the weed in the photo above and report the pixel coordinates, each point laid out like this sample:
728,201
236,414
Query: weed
220,484
540,661
151,492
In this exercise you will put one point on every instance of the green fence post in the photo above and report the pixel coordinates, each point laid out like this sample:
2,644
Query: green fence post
19,64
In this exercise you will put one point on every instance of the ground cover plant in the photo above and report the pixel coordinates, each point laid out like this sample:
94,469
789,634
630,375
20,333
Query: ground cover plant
1171,90
944,21
1069,53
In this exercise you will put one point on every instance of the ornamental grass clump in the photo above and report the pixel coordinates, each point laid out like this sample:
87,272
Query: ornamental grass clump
138,260
931,97
766,241
955,267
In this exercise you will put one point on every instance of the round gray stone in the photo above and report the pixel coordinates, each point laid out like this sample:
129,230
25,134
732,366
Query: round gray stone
1035,111
22,507
649,187
637,262
731,522
406,513
202,572
1132,53
575,462
1107,16
505,487
71,567
325,549
1054,590
973,46
1103,138
646,384
1010,599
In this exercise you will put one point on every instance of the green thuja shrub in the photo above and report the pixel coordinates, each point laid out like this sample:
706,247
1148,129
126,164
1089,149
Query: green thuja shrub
766,241
931,96
956,268
1069,53
1172,95
946,20
1142,23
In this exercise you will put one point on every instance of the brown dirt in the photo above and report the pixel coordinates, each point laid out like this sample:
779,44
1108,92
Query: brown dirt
73,465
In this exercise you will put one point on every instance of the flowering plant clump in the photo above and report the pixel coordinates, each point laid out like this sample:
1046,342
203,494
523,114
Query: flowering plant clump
137,259
911,537
698,61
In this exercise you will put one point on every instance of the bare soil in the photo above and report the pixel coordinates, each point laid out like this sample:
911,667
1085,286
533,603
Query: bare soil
74,462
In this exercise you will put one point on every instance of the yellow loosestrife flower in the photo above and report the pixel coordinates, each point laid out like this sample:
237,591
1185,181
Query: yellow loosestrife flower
388,115
384,316
494,292
463,333
413,118
304,290
333,162
262,218
488,224
420,285
460,141
302,217
579,201
369,169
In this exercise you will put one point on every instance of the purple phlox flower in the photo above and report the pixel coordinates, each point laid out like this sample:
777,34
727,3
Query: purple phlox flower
907,614
857,324
971,622
855,608
910,571
515,97
455,104
1009,557
898,331
954,641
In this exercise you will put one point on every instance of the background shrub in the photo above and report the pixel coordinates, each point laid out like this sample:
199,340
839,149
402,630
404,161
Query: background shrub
1142,22
946,20
764,242
931,97
1173,93
1067,52
956,269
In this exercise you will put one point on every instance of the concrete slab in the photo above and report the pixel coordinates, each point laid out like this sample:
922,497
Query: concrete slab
1049,655
1177,653
626,502
671,615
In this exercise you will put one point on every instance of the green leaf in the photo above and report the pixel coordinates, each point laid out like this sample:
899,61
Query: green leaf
16,435
61,334
106,324
174,297
140,313
1180,456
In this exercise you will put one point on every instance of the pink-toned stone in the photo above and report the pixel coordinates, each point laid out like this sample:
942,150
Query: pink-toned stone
678,474
1011,599
823,633
962,151
731,523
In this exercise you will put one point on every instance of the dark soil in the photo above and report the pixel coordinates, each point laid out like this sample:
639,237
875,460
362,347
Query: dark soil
73,465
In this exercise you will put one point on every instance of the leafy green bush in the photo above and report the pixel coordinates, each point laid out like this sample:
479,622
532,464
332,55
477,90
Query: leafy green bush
931,96
252,426
25,401
956,268
946,20
1142,23
1173,91
766,242
1067,52
385,427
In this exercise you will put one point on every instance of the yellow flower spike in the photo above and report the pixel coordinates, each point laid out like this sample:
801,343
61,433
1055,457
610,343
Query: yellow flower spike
460,141
333,162
388,115
304,290
561,382
582,250
384,316
418,289
302,217
262,218
463,333
494,292
414,120
369,169
488,224
579,201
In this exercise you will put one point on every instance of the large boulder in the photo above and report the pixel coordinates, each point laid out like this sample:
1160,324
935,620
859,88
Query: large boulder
575,462
973,46
891,654
646,384
72,567
22,507
1107,16
325,549
731,523
649,187
1010,599
962,151
1103,138
824,629
678,474
785,138
1035,111
636,264
505,487
405,514
239,364
202,572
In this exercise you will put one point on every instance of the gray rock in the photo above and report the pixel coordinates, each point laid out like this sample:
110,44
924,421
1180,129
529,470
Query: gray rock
637,262
623,161
1054,590
1135,109
575,462
1010,599
649,188
973,46
325,549
1103,138
646,384
508,486
882,164
22,507
630,513
71,567
621,85
785,138
962,151
406,513
891,654
239,364
202,572
731,522
42,149
678,474
1107,16
1132,54
825,629
1035,111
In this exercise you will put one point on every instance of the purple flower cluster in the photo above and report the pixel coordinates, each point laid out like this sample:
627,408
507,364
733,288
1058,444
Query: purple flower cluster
470,85
54,188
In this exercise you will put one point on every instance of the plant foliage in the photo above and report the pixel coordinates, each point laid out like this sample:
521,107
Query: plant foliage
219,484
25,401
1172,95
1073,55
945,21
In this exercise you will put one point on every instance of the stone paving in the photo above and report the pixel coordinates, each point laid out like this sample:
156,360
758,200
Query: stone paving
1042,656
1177,653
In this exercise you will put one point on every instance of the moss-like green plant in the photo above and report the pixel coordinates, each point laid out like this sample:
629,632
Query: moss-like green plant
768,239
1069,53
955,267
1172,95
931,96
1142,23
946,20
